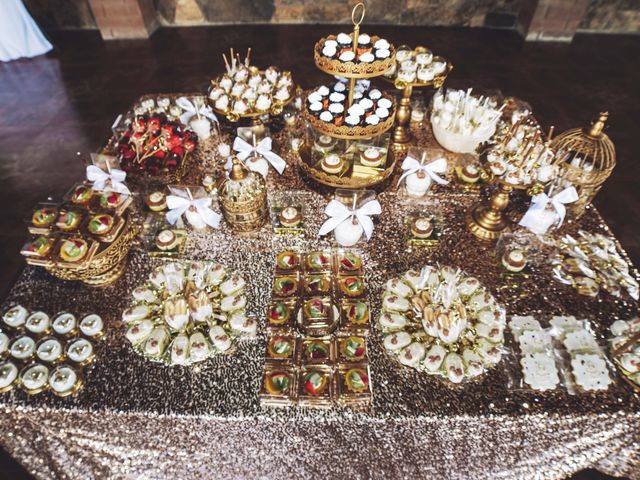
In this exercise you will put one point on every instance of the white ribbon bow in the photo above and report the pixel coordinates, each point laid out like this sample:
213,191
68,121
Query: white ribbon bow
532,217
432,169
180,203
190,110
107,181
338,212
263,148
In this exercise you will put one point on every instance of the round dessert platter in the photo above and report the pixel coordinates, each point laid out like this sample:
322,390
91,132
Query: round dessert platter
244,91
188,312
442,322
349,120
413,68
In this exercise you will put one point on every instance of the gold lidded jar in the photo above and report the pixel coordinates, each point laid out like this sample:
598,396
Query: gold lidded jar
243,199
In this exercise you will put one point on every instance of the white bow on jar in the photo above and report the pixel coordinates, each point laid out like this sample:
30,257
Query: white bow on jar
258,151
419,176
539,218
111,181
197,211
348,224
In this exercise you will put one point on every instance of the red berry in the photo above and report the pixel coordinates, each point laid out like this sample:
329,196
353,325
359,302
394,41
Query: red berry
189,145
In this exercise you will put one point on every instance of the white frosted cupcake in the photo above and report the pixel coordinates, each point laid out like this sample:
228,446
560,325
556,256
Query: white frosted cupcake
15,316
80,351
64,324
49,350
38,323
92,325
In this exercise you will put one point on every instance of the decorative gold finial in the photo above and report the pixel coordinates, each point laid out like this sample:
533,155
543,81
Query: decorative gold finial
598,125
355,22
238,172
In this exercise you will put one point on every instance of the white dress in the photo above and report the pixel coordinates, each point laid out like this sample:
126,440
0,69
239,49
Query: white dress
19,34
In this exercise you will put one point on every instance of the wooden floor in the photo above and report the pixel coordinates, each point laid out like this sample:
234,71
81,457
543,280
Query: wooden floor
53,107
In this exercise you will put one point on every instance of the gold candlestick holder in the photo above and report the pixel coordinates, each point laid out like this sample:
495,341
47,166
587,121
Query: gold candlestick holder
488,222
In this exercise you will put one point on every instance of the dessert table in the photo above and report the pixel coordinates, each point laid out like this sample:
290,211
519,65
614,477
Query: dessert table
138,419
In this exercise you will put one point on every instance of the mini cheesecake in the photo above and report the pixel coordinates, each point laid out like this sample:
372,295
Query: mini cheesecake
82,195
290,217
64,381
100,224
92,325
332,164
49,350
514,260
15,316
166,240
422,228
156,201
8,376
44,217
80,351
34,378
64,324
68,220
38,323
371,157
470,174
73,249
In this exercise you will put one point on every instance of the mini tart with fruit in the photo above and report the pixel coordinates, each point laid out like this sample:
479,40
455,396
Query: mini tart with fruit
73,249
156,201
111,200
350,262
358,312
315,383
317,350
277,383
280,347
287,260
315,308
40,247
318,261
44,217
356,380
351,286
68,220
279,313
82,195
100,224
354,348
317,284
167,240
285,286
290,217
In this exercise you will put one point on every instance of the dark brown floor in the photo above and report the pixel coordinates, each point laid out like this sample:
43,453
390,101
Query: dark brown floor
55,106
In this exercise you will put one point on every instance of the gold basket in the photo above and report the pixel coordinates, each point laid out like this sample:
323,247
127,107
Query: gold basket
246,216
335,181
346,132
591,145
106,266
333,66
277,107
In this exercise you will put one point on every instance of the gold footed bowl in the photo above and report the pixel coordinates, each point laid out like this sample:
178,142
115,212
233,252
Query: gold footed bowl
107,265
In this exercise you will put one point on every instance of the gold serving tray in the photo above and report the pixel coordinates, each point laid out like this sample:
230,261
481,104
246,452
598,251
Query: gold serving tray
277,106
337,181
333,66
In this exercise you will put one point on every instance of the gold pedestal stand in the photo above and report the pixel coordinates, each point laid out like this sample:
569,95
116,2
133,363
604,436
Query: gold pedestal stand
488,222
401,134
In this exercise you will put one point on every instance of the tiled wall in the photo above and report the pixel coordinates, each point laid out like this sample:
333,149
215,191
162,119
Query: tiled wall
602,15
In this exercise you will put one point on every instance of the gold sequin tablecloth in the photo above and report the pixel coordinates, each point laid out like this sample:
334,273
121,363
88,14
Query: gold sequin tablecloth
140,420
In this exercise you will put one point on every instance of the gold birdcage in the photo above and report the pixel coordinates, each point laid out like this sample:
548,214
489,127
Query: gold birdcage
590,159
243,198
